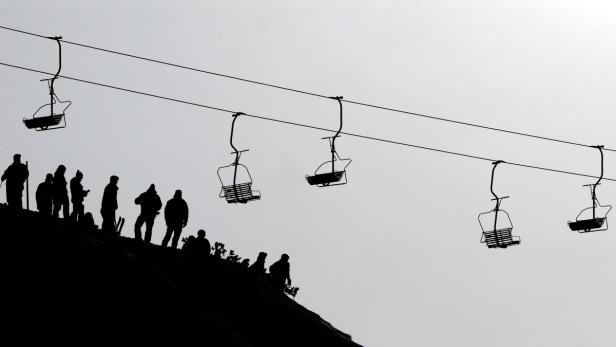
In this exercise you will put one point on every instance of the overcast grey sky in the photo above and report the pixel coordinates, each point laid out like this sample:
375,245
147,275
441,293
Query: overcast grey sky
393,258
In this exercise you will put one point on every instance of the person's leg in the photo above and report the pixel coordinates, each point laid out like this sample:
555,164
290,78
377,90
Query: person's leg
138,225
75,215
104,225
43,210
56,207
167,236
80,210
112,217
149,224
8,195
11,196
65,211
19,199
176,236
108,225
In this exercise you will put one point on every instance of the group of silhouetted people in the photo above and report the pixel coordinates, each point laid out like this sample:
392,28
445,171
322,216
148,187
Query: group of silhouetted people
52,197
279,271
176,216
198,244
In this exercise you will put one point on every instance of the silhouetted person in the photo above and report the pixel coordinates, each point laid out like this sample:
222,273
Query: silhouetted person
87,222
189,244
77,196
15,176
60,194
44,196
176,216
110,205
279,272
258,267
150,205
202,245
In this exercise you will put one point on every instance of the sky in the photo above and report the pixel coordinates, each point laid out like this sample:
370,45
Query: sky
393,257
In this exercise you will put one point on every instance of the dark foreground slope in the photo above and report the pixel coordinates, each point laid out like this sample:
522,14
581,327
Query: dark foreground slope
66,287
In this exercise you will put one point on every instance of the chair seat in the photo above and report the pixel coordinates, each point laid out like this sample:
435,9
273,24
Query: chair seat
587,224
43,122
325,178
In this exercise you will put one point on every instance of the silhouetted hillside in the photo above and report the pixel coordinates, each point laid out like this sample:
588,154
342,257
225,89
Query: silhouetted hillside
66,287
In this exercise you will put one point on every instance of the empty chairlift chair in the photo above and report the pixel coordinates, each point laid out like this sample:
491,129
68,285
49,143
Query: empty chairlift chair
55,120
495,224
235,178
332,172
592,218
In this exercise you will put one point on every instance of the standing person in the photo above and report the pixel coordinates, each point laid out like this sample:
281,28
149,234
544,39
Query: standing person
176,216
44,196
109,205
279,272
150,205
77,196
60,194
15,176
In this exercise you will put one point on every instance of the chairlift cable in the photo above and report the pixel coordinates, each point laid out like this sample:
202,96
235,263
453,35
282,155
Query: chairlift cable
367,137
358,103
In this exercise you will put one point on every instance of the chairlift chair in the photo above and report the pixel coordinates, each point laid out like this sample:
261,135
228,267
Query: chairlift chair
54,120
236,187
592,218
323,176
496,224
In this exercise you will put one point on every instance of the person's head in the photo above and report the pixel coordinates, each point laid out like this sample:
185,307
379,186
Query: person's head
152,188
178,194
284,257
79,175
89,218
262,256
114,179
60,170
17,158
201,233
48,178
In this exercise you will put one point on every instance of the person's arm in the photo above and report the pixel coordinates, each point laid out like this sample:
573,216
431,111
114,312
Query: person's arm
185,214
289,274
38,195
